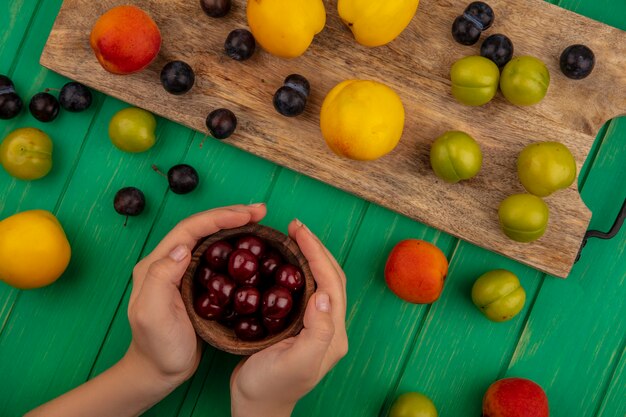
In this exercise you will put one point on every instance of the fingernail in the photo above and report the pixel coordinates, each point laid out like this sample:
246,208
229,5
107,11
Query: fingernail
240,209
322,302
302,225
179,253
256,205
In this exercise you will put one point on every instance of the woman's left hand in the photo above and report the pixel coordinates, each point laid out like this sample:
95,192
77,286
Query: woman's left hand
164,342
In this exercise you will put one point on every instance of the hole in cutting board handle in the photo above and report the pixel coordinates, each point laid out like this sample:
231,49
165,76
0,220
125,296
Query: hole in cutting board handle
617,225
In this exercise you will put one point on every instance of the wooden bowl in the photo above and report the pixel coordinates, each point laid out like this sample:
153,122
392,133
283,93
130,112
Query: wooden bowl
224,338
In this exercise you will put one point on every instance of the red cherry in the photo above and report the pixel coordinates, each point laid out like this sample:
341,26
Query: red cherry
254,244
203,274
228,318
249,328
206,309
254,280
277,303
269,263
247,300
217,254
274,326
290,277
221,290
242,265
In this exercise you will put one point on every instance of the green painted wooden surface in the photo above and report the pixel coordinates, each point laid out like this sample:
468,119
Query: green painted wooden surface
571,336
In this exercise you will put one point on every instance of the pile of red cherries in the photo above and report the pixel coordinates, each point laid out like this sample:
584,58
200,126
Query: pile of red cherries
246,284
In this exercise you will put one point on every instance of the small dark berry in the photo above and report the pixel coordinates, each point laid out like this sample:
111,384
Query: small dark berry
240,44
216,8
481,13
577,61
44,107
182,179
465,31
497,48
177,77
129,201
298,83
75,97
289,102
6,85
10,105
221,123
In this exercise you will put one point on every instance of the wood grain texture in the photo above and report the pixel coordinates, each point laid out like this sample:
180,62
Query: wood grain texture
583,316
416,66
577,351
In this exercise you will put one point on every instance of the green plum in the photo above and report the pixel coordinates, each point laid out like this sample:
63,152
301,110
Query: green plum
132,130
523,217
26,153
474,80
455,156
499,295
546,167
413,404
525,81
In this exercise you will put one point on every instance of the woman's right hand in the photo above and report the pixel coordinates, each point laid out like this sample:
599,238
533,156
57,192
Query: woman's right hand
270,382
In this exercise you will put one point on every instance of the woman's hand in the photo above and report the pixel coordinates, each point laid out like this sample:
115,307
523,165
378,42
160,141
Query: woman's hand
164,341
164,351
269,383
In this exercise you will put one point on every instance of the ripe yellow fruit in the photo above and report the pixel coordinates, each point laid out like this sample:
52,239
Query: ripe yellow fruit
34,251
285,28
376,23
362,120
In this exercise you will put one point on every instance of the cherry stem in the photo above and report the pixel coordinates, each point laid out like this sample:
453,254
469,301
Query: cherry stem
50,89
126,221
158,171
203,139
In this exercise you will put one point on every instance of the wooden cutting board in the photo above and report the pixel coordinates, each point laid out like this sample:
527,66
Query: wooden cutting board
417,66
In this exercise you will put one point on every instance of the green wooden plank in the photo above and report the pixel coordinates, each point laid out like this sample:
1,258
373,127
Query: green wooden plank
223,182
30,77
214,398
575,333
467,350
614,404
350,402
380,326
68,321
593,153
610,12
330,213
67,131
14,22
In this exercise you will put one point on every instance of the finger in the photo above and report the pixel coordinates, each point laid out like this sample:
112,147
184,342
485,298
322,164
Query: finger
194,228
233,376
203,224
293,228
163,278
311,345
324,272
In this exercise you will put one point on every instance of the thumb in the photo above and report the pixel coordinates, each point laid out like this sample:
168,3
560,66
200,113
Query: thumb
312,344
168,271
